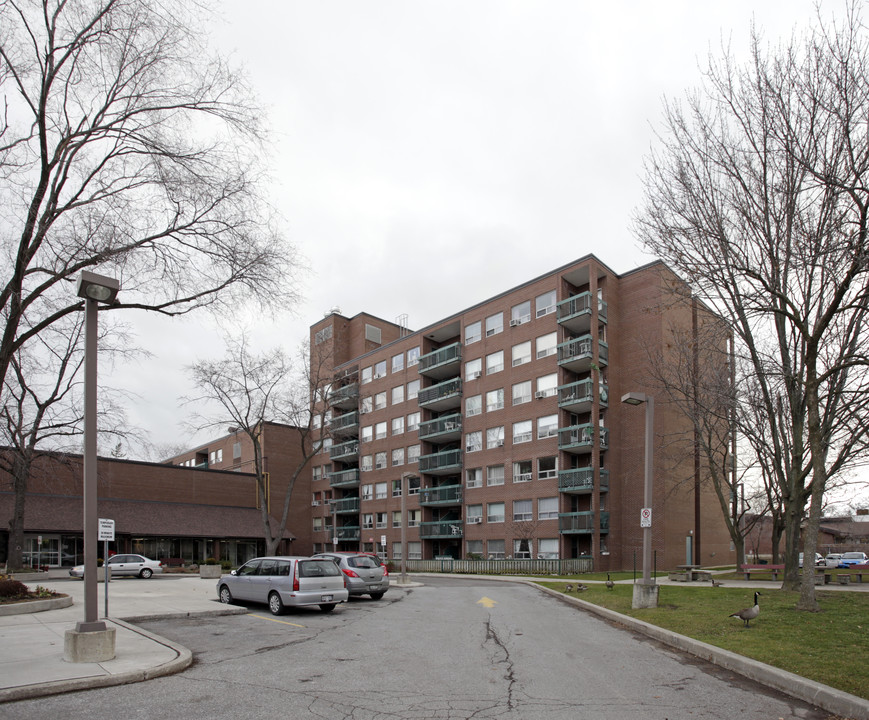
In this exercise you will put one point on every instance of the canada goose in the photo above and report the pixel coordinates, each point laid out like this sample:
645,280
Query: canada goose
609,583
747,614
568,588
715,583
581,588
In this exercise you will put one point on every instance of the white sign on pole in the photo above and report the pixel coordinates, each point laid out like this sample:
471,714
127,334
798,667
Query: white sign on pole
383,540
107,529
646,517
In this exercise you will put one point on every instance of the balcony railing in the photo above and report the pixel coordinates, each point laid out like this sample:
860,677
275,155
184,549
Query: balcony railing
346,396
441,529
344,478
443,495
582,522
346,505
574,313
443,428
442,363
348,532
577,354
444,395
581,480
579,439
346,424
344,451
577,397
441,463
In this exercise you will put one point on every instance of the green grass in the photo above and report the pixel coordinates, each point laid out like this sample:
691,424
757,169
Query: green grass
829,646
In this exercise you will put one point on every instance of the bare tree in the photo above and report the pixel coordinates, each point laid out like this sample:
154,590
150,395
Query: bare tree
759,196
125,145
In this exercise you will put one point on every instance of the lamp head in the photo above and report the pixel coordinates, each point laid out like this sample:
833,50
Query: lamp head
634,398
91,286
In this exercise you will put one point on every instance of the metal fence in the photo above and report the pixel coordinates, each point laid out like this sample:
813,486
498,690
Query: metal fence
572,566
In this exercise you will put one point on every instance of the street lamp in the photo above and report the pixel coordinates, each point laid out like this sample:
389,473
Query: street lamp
404,479
91,641
646,594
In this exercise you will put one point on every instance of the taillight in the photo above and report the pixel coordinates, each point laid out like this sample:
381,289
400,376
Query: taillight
296,577
385,571
351,573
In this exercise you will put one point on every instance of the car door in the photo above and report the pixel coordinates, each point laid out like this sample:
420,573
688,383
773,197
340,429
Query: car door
261,583
240,584
120,564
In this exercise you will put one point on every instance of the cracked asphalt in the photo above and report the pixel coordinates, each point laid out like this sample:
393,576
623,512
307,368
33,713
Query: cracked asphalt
451,649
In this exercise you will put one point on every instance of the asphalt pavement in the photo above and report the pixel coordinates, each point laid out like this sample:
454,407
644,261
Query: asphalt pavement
32,643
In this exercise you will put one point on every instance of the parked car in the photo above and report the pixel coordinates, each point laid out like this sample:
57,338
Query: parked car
819,559
284,581
833,559
137,565
365,574
853,558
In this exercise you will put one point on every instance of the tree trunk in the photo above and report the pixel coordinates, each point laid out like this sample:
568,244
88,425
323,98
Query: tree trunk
807,599
792,520
20,471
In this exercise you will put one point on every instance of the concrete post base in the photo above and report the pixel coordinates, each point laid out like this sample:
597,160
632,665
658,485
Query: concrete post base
96,646
645,596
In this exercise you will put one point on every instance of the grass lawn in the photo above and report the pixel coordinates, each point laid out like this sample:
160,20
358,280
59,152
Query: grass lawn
830,646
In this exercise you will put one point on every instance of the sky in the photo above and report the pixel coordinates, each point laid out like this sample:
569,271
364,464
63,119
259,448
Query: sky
428,155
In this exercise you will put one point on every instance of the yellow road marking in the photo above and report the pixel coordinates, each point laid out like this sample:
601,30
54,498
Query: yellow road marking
282,622
487,602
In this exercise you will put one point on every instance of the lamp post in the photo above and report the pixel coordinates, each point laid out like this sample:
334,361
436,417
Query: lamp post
646,593
91,641
404,478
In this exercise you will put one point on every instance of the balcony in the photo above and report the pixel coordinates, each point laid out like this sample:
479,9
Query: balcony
579,439
345,452
345,505
577,397
345,425
441,463
442,429
348,533
443,363
344,478
442,495
582,523
577,354
440,529
345,397
443,396
575,312
581,480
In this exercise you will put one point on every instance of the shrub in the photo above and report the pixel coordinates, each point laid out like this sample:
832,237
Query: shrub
12,588
226,565
210,561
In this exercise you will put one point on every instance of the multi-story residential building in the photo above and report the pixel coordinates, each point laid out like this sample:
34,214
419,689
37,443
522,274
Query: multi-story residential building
503,421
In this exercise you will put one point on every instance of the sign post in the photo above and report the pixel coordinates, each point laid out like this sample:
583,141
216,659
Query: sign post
106,534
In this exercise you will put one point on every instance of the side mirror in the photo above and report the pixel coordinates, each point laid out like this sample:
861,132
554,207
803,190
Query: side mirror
232,572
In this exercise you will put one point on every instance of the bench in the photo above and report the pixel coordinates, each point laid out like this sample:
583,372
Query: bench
774,569
678,576
856,570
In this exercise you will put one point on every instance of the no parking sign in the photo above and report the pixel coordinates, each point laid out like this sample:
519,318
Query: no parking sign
646,517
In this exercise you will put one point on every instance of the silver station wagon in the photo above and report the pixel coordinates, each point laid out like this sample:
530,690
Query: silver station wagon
282,582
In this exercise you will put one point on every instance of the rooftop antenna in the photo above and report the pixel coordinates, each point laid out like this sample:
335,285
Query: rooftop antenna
401,321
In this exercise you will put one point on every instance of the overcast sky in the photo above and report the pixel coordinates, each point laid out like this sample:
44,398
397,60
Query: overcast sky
464,146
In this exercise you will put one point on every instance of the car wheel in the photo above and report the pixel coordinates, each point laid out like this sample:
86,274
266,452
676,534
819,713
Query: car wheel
376,596
146,573
224,595
276,605
327,607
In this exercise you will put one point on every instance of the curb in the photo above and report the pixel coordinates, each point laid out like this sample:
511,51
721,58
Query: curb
35,606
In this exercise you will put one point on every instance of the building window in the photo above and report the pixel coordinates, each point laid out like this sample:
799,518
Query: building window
522,353
547,508
496,549
494,362
494,324
522,431
474,548
413,519
414,550
495,437
396,522
523,510
380,400
474,514
494,399
380,430
473,369
397,362
547,468
367,521
545,303
380,520
397,457
495,512
474,477
367,492
413,486
547,426
546,345
380,460
494,475
473,405
547,548
367,405
367,463
380,370
323,335
520,313
522,471
412,421
474,441
367,374
473,332
398,395
412,356
522,392
318,524
413,455
367,434
412,389
396,488
522,548
547,386
316,473
397,425
380,491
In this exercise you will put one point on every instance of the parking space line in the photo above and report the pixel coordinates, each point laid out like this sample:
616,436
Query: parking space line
282,622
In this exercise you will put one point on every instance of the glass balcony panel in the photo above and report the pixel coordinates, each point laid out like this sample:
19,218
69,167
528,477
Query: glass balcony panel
441,463
344,478
579,439
345,452
582,523
346,396
442,363
441,495
441,529
443,396
581,480
345,505
345,425
448,427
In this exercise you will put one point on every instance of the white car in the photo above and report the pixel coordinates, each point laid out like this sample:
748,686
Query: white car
137,565
833,559
819,559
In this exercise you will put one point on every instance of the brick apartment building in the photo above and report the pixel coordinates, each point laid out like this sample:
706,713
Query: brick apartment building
505,422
